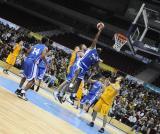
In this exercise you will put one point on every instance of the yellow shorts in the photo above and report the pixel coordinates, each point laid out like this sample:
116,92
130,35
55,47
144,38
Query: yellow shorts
102,107
11,59
79,94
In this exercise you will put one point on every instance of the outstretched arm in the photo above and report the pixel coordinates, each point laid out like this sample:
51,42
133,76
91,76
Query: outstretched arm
43,56
94,42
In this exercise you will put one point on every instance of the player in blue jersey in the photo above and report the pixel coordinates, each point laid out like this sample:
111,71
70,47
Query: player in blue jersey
42,68
73,67
35,54
90,59
94,93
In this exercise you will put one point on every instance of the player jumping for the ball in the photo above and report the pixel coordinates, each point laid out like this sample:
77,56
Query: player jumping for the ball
90,59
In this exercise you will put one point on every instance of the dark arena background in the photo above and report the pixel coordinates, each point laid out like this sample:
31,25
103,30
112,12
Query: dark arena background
120,89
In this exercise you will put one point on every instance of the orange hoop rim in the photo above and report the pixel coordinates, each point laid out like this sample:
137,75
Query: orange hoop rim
120,36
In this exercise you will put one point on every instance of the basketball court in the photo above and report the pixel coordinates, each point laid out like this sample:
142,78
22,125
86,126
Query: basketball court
41,114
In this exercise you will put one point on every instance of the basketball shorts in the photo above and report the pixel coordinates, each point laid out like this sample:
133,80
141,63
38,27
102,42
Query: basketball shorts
30,69
90,98
83,71
71,73
11,59
40,73
102,107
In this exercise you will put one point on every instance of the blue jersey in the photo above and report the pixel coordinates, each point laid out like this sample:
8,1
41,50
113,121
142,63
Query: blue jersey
77,59
36,52
90,58
42,64
96,87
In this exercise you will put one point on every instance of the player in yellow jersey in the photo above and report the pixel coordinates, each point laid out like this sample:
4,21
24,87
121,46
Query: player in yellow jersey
11,59
106,100
73,58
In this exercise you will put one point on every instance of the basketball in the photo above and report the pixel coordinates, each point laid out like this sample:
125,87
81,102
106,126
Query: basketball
100,24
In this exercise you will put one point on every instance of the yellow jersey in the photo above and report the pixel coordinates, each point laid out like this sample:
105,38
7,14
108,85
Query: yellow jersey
110,93
17,50
72,60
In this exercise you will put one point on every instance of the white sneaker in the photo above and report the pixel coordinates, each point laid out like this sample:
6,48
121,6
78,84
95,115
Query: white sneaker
55,94
22,96
70,101
70,85
81,113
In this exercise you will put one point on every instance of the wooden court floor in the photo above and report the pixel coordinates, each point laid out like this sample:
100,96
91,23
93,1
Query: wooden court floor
42,114
20,117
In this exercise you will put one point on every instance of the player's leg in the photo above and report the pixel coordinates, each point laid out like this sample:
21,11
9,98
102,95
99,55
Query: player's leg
30,72
8,60
92,105
18,91
40,75
104,111
74,79
75,89
79,95
23,91
38,86
94,115
11,59
62,89
6,69
82,102
101,130
96,109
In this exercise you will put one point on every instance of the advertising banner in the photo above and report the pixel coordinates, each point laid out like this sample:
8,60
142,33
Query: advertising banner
10,24
152,87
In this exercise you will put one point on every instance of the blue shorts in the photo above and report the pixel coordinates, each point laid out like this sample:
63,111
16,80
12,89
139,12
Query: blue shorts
29,69
90,98
83,71
71,73
40,73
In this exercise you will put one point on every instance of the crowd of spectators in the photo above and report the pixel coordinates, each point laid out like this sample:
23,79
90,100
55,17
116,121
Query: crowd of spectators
137,107
8,36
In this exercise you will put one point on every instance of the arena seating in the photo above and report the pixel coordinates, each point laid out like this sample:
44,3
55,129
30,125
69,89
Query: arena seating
137,107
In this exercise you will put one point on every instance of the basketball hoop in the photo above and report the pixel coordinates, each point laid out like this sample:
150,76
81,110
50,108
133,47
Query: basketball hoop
120,41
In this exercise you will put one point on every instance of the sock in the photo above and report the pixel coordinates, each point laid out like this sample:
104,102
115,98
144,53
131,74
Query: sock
20,87
37,88
74,95
61,94
23,91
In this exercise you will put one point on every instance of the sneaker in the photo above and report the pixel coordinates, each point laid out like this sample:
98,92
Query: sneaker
22,96
70,101
81,113
101,130
71,85
60,99
18,91
91,124
5,71
37,89
32,87
55,95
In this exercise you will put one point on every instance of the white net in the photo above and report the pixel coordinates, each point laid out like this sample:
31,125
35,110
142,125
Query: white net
120,41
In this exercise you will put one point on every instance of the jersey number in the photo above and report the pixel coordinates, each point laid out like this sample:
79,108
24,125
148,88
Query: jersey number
35,51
